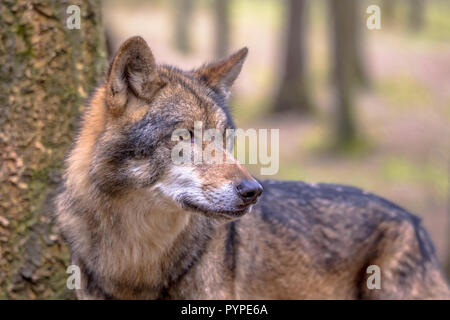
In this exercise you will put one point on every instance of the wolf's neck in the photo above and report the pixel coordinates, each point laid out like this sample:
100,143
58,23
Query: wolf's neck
143,242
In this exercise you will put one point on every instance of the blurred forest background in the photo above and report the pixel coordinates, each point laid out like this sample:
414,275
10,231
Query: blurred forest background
369,108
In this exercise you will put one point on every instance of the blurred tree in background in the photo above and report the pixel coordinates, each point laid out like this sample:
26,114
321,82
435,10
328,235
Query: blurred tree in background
343,35
294,93
183,18
417,15
388,11
222,20
356,31
349,69
45,75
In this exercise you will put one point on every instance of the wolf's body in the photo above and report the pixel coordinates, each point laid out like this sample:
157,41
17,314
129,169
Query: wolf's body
139,226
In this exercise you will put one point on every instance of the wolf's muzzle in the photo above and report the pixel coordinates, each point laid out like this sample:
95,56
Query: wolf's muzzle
249,191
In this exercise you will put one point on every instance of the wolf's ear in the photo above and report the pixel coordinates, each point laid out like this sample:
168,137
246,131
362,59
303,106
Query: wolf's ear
133,69
223,73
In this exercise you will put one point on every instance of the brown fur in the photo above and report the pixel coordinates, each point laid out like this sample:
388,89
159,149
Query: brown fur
140,227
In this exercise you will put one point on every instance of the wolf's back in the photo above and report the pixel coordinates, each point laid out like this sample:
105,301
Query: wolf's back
339,228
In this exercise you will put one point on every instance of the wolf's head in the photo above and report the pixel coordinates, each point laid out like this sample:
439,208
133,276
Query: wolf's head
130,129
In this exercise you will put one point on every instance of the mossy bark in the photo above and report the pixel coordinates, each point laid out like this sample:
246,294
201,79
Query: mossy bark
46,71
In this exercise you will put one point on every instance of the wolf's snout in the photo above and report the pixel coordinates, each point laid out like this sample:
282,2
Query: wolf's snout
249,190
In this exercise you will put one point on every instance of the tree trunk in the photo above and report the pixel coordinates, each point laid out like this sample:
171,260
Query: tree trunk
222,19
387,11
183,15
45,72
343,70
355,15
293,93
417,14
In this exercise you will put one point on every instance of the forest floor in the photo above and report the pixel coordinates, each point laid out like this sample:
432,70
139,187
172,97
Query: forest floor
403,116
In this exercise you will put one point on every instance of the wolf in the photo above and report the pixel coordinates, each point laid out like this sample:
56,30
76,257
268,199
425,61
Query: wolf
141,227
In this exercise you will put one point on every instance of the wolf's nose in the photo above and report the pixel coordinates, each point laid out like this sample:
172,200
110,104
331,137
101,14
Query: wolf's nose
249,190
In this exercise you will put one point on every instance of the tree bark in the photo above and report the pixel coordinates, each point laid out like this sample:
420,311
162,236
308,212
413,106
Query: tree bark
183,17
293,93
222,19
46,71
343,70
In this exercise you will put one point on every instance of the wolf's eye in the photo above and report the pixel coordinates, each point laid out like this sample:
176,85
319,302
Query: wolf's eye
191,133
190,136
